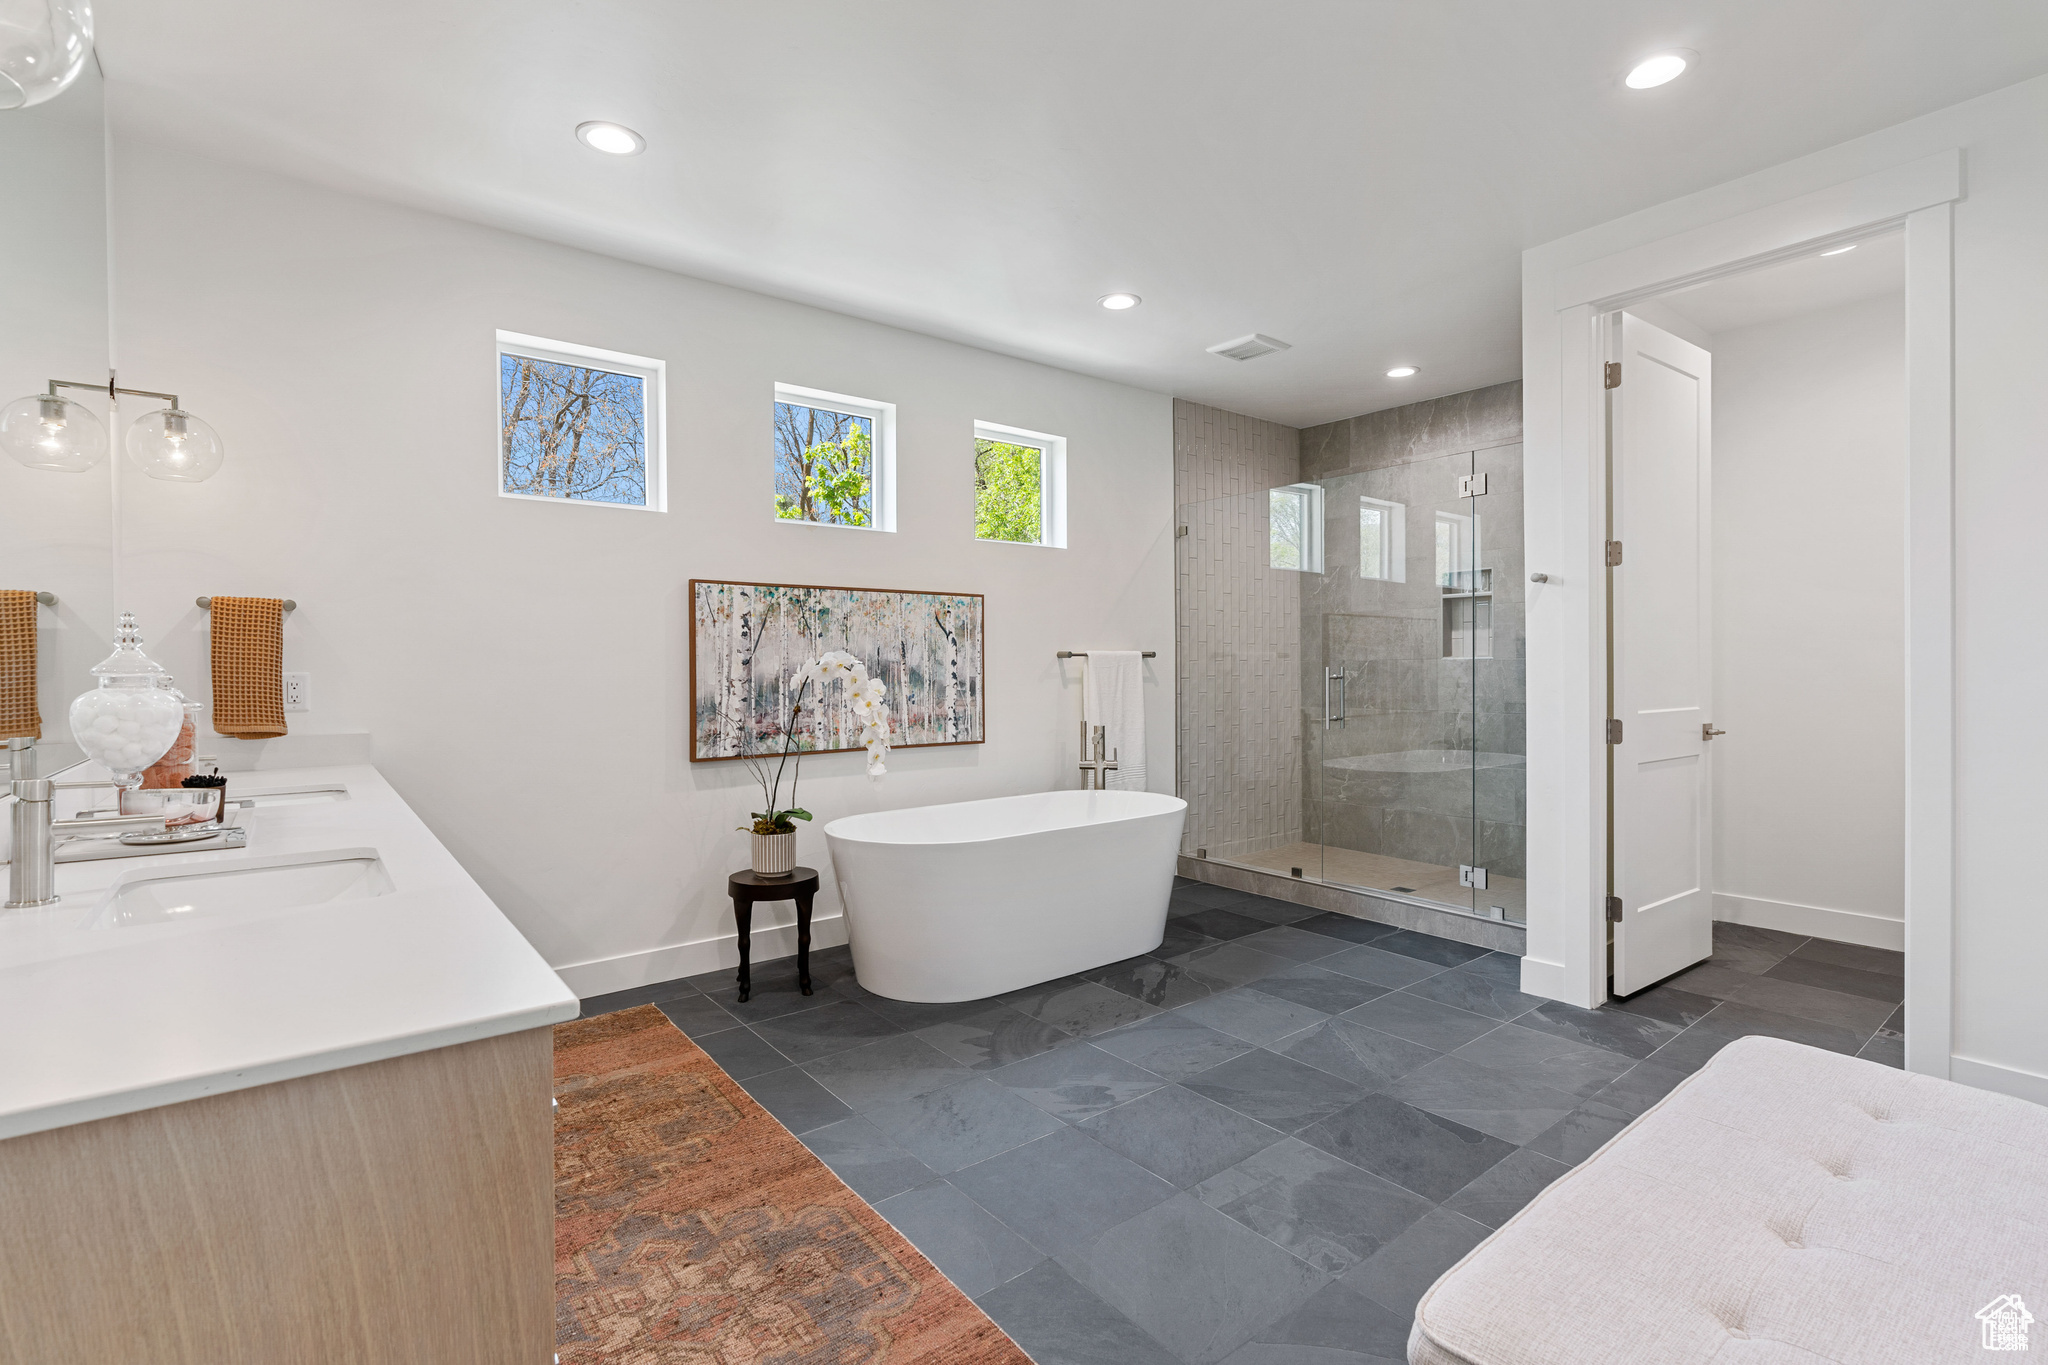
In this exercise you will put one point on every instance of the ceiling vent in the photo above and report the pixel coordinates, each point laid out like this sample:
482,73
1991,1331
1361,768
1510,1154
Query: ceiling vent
1248,348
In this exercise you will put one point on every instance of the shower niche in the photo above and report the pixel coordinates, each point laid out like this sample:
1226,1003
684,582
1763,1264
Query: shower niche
1468,617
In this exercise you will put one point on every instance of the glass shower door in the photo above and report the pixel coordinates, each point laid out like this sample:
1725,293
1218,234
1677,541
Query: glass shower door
1350,680
1396,623
1500,692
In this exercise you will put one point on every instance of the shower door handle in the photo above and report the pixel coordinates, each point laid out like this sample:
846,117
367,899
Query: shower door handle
1333,713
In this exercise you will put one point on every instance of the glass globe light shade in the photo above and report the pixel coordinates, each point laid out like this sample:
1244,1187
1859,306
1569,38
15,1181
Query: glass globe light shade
43,47
46,432
173,444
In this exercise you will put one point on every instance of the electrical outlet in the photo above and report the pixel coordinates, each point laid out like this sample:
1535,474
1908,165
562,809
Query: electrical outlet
298,691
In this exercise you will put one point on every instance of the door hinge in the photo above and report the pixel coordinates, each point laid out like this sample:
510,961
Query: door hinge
1614,374
1613,554
1474,877
1614,732
1471,485
1614,909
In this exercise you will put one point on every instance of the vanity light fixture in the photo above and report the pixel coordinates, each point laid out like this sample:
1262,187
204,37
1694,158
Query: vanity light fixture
1658,70
1116,303
47,431
1401,372
173,445
615,138
46,45
44,431
1840,249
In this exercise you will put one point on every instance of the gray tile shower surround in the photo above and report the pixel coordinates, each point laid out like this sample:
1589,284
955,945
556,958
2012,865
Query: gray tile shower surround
1258,1145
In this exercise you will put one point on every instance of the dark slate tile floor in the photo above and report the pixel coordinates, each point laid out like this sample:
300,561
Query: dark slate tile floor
1257,1145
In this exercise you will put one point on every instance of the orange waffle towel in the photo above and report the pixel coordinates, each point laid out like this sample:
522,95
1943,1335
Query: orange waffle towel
19,718
248,667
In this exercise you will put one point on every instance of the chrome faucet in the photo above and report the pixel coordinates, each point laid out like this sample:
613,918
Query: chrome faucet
1100,766
32,861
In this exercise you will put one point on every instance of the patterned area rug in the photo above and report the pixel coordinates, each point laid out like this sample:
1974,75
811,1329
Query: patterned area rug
690,1227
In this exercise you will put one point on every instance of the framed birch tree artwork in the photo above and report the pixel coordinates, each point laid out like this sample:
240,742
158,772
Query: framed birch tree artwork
747,641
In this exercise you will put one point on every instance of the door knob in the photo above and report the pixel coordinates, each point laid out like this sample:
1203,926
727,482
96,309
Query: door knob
1707,732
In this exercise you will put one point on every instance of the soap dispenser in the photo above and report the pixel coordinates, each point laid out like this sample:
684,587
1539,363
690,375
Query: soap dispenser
128,721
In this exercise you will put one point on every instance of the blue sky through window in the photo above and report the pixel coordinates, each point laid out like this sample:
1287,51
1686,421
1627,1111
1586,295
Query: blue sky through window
572,431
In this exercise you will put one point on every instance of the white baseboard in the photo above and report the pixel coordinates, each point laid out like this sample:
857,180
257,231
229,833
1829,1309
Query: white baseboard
2006,1080
1814,921
768,942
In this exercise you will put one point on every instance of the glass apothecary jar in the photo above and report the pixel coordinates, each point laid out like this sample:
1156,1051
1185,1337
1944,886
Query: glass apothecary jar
175,766
129,720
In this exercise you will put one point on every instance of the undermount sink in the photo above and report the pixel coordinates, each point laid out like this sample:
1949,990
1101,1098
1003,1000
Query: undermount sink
275,883
289,796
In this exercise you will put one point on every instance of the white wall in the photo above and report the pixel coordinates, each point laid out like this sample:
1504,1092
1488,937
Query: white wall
1999,1015
522,667
1809,623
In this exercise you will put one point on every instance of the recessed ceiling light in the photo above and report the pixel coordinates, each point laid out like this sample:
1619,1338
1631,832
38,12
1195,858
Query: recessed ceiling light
615,138
1840,249
1401,372
1119,302
1655,71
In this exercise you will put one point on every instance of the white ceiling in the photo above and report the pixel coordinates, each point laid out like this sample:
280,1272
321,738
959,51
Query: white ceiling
1805,284
1355,177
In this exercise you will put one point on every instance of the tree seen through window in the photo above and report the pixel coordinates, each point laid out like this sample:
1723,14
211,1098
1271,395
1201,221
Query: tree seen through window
571,431
1009,497
824,466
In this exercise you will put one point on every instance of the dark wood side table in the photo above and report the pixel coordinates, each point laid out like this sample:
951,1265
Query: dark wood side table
749,886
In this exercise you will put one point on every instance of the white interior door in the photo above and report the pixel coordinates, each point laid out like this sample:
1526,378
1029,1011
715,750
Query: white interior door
1660,796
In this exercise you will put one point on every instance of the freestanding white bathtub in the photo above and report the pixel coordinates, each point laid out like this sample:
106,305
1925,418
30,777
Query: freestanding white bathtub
965,901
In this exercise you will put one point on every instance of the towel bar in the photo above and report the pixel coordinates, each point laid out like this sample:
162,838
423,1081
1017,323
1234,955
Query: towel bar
1082,654
48,599
206,604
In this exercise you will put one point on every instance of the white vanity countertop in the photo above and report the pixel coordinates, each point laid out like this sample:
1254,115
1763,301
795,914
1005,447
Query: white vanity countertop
98,1020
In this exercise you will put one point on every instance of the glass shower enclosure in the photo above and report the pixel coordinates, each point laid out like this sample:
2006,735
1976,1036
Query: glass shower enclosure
1352,680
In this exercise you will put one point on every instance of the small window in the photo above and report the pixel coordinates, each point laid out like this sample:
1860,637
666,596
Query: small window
1296,520
1382,540
577,424
1457,551
834,459
1020,480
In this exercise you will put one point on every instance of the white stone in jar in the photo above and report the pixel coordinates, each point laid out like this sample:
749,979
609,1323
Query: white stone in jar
126,729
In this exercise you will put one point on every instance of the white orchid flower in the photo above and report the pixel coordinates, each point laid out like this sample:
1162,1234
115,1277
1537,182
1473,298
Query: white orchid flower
866,700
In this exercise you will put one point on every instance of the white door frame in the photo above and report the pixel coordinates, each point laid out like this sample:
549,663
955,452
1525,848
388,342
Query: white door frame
1564,299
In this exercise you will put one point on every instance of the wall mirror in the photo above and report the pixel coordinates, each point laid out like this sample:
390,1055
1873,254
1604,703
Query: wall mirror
57,528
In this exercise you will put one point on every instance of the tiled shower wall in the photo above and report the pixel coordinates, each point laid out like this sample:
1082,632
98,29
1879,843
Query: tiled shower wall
1472,420
1406,698
1238,628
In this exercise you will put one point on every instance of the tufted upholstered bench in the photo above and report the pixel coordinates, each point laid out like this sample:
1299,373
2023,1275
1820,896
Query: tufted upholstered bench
1783,1206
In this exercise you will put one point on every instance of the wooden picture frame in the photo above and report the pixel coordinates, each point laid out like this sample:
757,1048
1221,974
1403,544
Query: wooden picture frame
746,639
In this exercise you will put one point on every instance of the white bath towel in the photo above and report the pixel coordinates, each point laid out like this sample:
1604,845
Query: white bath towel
1113,696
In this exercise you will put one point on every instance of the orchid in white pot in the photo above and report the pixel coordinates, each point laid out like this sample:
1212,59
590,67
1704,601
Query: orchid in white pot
774,827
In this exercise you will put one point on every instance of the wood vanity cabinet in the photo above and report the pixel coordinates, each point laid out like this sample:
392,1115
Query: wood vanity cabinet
399,1211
